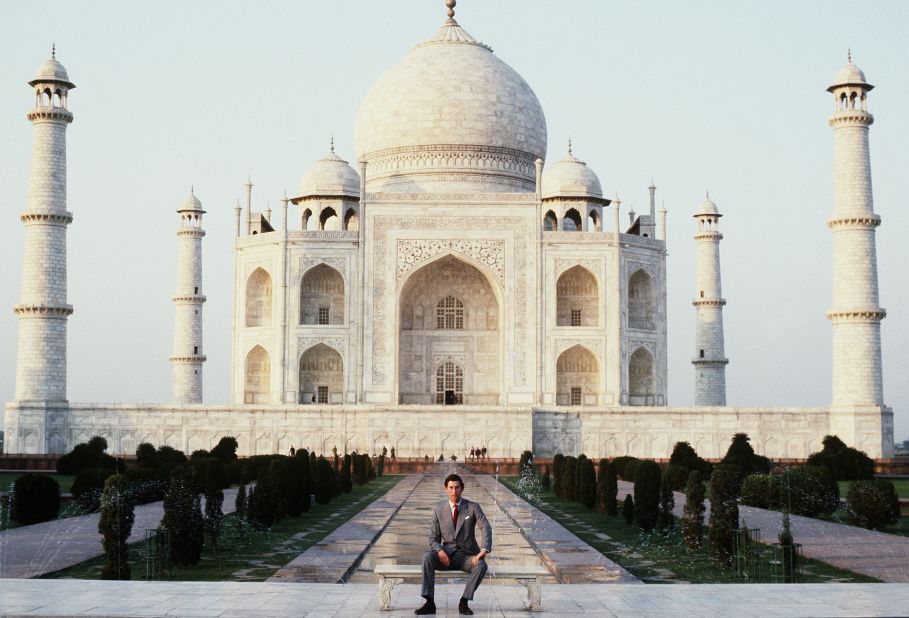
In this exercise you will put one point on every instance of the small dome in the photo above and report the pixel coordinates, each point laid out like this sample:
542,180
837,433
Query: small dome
570,177
849,75
52,71
330,176
708,207
191,203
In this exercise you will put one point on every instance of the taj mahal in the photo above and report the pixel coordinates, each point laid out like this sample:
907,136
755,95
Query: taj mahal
449,283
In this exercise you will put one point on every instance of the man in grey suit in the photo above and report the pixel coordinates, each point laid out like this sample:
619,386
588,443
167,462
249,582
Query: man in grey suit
453,545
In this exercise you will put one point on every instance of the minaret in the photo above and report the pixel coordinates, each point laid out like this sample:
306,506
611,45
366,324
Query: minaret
42,309
187,356
709,360
855,314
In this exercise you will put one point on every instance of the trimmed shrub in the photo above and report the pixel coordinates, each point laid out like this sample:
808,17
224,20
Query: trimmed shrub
628,509
612,490
724,512
115,526
558,464
761,491
35,498
790,556
146,455
526,460
667,502
601,485
569,485
380,466
88,486
149,484
579,479
588,485
693,519
545,479
677,476
647,494
199,453
620,463
87,455
215,481
631,470
240,501
741,454
684,455
226,450
873,504
324,481
346,483
306,482
844,462
809,491
183,517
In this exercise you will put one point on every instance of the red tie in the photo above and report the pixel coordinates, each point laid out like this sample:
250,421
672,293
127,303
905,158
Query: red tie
454,516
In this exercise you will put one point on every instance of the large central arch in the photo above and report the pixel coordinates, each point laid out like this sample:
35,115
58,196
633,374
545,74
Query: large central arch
449,311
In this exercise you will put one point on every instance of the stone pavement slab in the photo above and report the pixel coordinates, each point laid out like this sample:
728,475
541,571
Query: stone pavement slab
334,558
64,597
876,554
32,551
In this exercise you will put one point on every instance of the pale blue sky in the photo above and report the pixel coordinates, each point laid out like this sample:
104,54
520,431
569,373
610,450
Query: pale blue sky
719,94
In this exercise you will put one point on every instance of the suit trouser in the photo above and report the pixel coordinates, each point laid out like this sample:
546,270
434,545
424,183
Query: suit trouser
459,560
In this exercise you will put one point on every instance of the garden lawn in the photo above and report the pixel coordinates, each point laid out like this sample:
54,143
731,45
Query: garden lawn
6,478
249,554
654,557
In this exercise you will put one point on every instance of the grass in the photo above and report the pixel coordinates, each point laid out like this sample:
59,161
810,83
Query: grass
249,554
65,480
654,557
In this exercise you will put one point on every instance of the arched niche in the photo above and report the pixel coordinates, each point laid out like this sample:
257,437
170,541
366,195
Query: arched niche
322,296
577,296
577,377
550,221
641,383
571,222
449,310
257,376
258,298
641,301
321,375
351,220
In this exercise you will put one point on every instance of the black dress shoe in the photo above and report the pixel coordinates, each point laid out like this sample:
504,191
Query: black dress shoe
464,609
429,607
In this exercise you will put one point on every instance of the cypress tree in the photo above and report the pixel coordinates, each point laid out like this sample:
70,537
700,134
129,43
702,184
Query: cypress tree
693,520
215,480
601,485
558,463
306,480
324,481
724,512
628,509
647,494
240,502
579,479
115,526
667,503
570,483
183,517
295,498
588,484
612,490
346,483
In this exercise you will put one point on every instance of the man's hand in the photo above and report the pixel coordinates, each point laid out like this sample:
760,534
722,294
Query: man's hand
478,557
443,558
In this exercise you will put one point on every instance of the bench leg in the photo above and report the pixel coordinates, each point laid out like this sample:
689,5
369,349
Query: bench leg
534,593
386,585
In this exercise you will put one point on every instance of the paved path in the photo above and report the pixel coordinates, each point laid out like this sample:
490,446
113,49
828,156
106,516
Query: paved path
32,551
877,554
63,597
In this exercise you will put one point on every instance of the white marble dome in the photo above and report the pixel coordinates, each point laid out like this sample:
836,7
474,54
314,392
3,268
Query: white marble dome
570,177
708,207
52,71
849,75
191,203
330,176
451,116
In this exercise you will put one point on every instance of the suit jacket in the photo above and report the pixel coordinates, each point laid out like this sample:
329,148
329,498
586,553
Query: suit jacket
445,535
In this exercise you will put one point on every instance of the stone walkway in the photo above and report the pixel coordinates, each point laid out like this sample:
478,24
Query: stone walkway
64,597
877,554
32,551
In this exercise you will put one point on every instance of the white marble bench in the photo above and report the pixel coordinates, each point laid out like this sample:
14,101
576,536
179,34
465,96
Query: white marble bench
529,576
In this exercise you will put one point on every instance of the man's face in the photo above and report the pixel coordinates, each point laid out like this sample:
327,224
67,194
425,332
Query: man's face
454,490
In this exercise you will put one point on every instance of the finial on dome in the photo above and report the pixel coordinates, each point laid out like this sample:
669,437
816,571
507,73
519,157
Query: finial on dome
332,142
570,154
707,191
451,5
192,189
849,54
54,51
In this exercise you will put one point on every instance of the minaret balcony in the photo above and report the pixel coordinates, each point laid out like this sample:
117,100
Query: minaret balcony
709,302
851,117
189,299
856,221
50,113
861,315
42,309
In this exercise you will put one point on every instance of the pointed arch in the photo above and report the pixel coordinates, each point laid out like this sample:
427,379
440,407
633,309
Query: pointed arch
258,298
641,301
321,375
351,220
577,377
306,219
329,219
594,224
322,296
577,296
257,376
641,384
571,222
550,221
449,384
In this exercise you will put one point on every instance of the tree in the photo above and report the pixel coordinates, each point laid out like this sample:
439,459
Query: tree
647,494
873,504
215,480
35,498
612,490
346,483
183,517
558,463
602,484
684,455
226,450
579,479
724,512
115,525
844,462
306,480
667,502
87,455
588,485
628,509
240,502
569,484
324,481
741,454
693,519
790,556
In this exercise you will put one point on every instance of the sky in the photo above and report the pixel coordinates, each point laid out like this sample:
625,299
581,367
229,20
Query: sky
702,95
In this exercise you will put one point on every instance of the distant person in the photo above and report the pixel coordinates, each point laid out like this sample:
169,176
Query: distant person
392,453
293,451
453,545
472,451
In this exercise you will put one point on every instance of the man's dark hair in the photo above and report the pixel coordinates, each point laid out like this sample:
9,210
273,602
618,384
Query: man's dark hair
453,477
